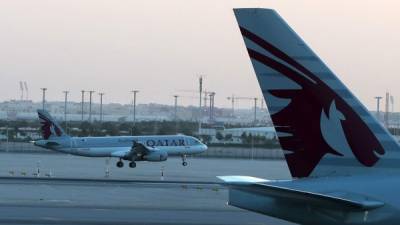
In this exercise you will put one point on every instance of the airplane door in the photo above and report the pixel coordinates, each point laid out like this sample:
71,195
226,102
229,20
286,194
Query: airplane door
73,145
187,143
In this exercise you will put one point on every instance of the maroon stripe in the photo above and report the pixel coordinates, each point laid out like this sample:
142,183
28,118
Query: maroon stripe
301,117
279,67
276,52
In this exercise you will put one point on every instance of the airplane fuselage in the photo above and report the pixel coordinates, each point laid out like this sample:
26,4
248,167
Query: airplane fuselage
105,146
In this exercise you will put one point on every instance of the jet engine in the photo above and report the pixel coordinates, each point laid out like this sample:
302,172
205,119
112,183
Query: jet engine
156,156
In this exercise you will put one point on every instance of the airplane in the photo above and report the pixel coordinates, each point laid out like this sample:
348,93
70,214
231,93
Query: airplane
154,148
344,164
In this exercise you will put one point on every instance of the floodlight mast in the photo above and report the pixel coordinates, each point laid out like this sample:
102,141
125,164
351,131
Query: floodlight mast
90,105
43,97
65,110
82,104
176,112
101,106
134,110
378,113
200,96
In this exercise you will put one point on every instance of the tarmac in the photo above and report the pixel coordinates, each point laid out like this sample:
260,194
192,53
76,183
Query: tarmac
64,189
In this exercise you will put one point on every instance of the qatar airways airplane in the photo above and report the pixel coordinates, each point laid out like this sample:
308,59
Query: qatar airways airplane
154,148
345,165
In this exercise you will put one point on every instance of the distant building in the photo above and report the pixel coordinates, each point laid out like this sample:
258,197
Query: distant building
26,110
3,137
234,135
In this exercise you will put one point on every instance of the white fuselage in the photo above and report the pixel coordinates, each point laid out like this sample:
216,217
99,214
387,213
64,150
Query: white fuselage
106,146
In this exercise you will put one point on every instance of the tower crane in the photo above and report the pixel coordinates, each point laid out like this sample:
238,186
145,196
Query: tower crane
234,98
208,96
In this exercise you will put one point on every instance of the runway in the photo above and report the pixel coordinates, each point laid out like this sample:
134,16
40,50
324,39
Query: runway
78,215
198,169
194,197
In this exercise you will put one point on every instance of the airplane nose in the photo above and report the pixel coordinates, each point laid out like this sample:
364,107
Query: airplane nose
204,148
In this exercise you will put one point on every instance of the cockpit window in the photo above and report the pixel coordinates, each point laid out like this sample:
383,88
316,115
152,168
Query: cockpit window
194,141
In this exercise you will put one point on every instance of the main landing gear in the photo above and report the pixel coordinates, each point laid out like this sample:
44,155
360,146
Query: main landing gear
184,163
120,164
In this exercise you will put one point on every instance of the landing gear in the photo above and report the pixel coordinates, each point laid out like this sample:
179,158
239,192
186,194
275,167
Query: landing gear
120,164
184,163
132,164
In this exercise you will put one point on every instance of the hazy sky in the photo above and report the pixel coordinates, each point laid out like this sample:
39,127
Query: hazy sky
160,47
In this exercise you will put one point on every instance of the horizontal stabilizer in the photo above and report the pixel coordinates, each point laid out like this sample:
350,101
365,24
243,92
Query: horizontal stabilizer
274,190
241,179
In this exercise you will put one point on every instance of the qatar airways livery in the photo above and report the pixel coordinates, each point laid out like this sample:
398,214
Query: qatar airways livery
345,165
153,148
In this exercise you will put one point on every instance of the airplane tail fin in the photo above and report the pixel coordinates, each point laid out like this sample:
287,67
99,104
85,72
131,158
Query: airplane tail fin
322,128
49,127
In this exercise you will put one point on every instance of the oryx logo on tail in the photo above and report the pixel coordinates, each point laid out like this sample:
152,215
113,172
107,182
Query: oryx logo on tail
314,114
301,117
49,126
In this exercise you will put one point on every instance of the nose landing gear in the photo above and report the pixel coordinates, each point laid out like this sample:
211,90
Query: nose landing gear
184,163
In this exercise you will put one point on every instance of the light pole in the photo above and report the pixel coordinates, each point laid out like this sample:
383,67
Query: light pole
90,105
7,140
378,114
43,97
176,107
255,111
176,112
101,106
82,103
134,109
212,94
200,96
262,103
65,109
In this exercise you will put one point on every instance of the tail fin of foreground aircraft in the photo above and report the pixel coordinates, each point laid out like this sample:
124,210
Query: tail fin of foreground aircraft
49,127
322,128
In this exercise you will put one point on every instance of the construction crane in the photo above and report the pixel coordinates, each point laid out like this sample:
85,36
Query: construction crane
234,99
207,98
206,95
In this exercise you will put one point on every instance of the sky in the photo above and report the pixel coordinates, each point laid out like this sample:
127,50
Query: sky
161,47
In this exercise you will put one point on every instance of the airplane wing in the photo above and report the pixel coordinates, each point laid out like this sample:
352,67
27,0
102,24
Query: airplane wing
137,149
240,186
121,153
